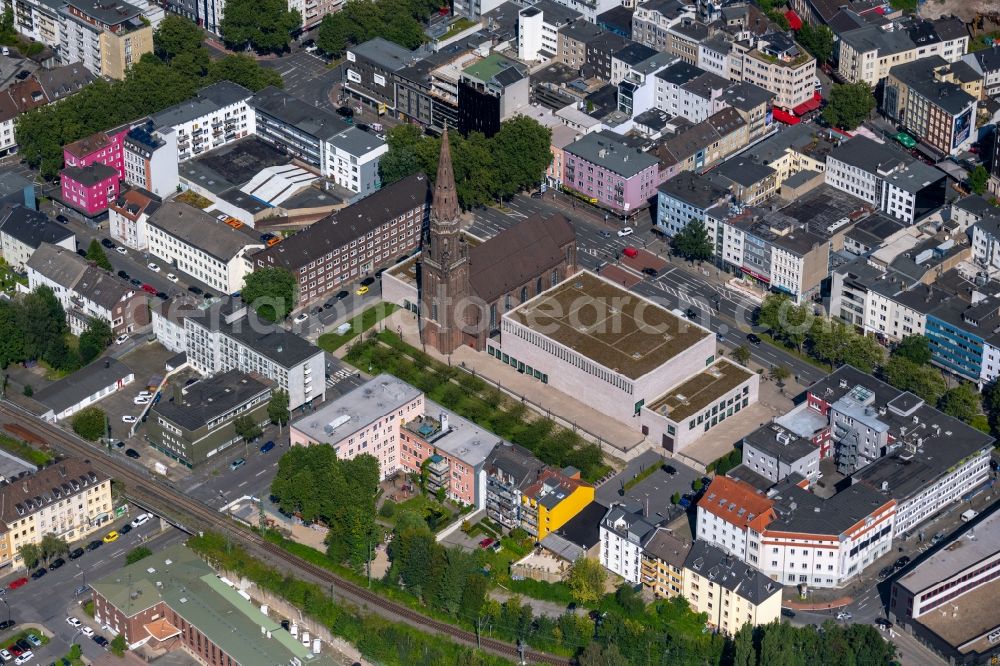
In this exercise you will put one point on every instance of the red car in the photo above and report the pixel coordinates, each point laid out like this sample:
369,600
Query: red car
148,288
486,543
14,650
18,583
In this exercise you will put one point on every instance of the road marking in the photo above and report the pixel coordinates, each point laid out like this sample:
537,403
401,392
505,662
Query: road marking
242,484
260,472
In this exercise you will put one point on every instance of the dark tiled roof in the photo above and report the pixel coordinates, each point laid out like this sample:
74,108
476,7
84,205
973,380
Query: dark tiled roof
729,572
90,175
668,548
33,228
515,461
209,399
518,255
51,484
348,224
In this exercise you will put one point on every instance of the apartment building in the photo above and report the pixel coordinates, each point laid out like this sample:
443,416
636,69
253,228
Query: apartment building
23,231
355,241
624,532
868,52
217,115
986,63
351,159
887,178
193,241
924,97
572,42
653,19
197,423
89,189
884,303
752,103
221,341
128,216
87,292
39,20
105,39
16,99
150,156
731,593
69,499
685,198
688,91
509,470
600,166
538,30
793,150
100,148
364,421
687,147
552,499
490,91
637,84
776,63
731,514
775,452
663,564
692,408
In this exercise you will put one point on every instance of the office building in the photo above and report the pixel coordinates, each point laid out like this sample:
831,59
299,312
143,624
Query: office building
106,39
489,92
369,72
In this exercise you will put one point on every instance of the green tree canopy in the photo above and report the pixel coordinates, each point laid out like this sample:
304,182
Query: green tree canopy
849,105
89,423
271,292
922,380
118,646
586,580
262,25
963,402
136,554
244,70
277,409
693,242
96,254
399,21
914,348
741,355
863,352
178,41
31,554
978,178
818,40
247,428
52,546
95,339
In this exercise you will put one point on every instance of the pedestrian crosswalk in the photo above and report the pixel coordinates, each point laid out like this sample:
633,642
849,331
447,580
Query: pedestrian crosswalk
338,377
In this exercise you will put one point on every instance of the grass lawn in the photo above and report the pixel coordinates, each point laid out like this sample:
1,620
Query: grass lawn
457,27
22,450
333,341
433,512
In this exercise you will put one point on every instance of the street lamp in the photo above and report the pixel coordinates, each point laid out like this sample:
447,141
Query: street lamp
7,606
82,573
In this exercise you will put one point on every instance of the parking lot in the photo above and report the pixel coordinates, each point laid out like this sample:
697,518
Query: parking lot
654,491
307,77
147,361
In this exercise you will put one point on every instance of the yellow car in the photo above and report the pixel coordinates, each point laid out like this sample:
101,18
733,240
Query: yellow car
362,290
111,536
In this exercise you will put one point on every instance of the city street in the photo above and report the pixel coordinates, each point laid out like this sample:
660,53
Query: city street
50,600
681,285
306,76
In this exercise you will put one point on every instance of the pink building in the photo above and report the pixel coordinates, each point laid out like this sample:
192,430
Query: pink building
391,420
601,167
103,147
91,188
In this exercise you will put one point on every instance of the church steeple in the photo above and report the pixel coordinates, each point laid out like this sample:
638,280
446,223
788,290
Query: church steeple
445,205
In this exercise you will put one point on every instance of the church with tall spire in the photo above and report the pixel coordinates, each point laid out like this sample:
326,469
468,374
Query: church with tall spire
467,283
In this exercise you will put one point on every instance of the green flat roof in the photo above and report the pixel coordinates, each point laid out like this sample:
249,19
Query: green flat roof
697,393
488,67
178,577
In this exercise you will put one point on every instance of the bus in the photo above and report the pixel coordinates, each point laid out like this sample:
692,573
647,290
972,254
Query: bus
907,140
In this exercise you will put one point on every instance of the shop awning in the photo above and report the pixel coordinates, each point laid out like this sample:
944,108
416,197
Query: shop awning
808,105
794,22
785,117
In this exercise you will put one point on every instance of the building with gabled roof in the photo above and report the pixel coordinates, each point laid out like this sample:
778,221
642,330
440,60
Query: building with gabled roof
23,231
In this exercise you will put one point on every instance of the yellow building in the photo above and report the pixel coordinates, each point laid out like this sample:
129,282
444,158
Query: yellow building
68,499
552,500
663,564
731,592
120,50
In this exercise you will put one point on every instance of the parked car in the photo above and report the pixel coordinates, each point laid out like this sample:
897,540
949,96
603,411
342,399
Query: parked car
75,553
7,624
604,233
195,290
123,275
670,469
753,339
125,529
111,537
102,641
121,338
153,267
651,272
267,447
121,250
87,631
341,295
141,519
844,616
128,418
538,194
486,543
685,502
73,622
162,295
19,582
135,283
56,563
361,291
6,655
625,231
24,658
691,313
368,281
301,317
236,464
149,289
108,244
34,640
80,590
171,277
788,612
38,573
132,453
62,218
95,544
885,572
141,399
901,562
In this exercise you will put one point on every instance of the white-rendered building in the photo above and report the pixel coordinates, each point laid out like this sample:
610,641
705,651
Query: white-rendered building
623,535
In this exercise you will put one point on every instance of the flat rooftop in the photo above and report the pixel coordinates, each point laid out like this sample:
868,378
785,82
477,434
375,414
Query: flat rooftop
353,411
956,557
960,621
608,324
463,439
700,391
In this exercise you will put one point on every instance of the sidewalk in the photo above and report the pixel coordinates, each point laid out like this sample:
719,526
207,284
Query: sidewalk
616,439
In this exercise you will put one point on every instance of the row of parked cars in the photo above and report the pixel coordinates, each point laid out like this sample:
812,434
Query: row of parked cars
896,566
20,651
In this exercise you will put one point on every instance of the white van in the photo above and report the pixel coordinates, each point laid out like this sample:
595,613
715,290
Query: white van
969,515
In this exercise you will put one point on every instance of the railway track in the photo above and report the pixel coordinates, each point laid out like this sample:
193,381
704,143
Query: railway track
190,515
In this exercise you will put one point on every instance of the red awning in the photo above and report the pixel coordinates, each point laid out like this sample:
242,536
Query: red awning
807,106
794,22
785,117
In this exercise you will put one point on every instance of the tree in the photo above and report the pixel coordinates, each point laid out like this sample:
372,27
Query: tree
247,428
118,646
978,178
962,402
745,654
586,580
779,374
262,25
675,499
741,355
693,242
31,554
271,292
96,254
52,546
863,352
921,380
90,423
95,339
914,348
696,485
28,391
277,409
178,41
136,554
817,40
849,105
597,655
244,70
